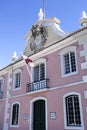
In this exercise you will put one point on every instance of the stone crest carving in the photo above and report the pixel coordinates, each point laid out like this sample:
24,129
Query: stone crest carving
38,37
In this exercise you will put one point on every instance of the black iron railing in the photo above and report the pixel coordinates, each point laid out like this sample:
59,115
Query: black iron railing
1,95
39,85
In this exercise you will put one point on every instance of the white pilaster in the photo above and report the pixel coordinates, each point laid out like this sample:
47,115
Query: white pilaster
7,105
83,53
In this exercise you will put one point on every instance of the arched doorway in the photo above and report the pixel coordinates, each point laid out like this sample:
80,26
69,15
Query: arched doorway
38,114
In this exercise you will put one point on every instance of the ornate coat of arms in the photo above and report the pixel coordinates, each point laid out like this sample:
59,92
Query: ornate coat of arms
38,37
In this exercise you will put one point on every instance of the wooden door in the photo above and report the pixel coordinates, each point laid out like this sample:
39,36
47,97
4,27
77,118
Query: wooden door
39,115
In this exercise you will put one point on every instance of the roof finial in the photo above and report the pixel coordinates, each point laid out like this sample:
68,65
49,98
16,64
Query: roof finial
14,57
83,19
40,14
84,14
43,8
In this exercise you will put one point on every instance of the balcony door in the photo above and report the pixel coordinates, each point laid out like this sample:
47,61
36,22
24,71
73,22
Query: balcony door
39,115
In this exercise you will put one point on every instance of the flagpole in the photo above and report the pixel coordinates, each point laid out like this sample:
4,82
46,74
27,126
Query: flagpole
44,8
27,66
27,60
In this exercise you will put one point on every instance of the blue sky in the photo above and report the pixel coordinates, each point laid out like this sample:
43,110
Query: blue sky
18,16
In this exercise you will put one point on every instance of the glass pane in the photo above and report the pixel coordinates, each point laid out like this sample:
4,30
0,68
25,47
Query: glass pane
66,64
15,114
77,111
42,72
17,80
36,73
73,62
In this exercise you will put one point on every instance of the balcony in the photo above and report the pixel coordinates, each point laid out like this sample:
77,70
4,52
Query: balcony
1,95
39,85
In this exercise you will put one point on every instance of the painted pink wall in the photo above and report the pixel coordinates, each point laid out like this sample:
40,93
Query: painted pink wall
54,97
54,104
54,69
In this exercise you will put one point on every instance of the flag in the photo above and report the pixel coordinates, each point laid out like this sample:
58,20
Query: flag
28,62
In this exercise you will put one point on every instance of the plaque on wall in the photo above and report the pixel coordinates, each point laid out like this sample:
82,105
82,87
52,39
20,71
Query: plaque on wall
52,115
26,116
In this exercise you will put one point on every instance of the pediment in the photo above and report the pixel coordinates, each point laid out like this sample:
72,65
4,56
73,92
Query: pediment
42,34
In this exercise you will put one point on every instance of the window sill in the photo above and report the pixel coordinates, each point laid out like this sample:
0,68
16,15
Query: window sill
70,74
14,126
15,89
74,128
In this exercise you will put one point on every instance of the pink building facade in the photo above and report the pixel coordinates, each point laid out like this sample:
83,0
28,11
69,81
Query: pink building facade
53,96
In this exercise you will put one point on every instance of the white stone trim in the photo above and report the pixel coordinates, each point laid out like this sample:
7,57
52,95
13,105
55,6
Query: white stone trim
85,93
80,103
62,52
31,111
53,48
50,89
86,109
7,116
9,87
84,78
10,80
2,79
5,125
0,108
39,61
56,28
14,73
84,65
82,53
11,115
83,40
8,105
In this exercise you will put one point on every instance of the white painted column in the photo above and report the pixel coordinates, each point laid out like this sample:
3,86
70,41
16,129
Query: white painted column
7,105
83,53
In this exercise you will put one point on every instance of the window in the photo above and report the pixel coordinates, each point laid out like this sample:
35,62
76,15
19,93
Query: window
39,72
1,88
17,79
15,114
68,61
0,109
73,111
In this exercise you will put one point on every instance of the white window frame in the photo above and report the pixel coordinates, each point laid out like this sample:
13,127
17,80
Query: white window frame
12,113
14,79
42,83
64,51
31,110
81,114
37,62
